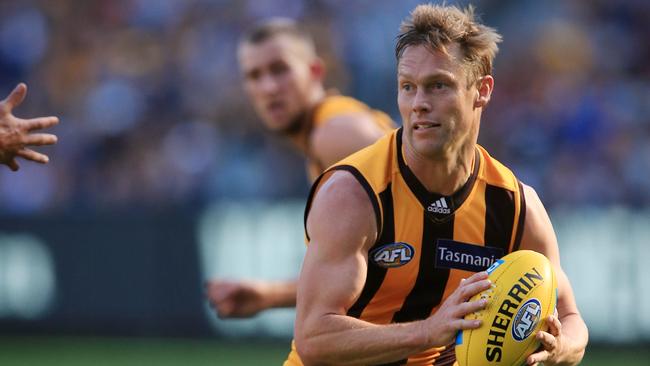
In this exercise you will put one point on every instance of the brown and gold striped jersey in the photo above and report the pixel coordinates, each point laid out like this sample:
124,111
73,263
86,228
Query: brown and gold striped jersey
428,242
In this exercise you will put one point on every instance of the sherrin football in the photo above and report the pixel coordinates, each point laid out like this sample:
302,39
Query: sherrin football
523,294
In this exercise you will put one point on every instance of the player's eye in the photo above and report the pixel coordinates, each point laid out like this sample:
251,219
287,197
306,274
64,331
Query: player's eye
278,68
253,75
439,85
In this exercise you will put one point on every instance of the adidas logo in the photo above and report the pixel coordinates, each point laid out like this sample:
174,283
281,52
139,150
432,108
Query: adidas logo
440,206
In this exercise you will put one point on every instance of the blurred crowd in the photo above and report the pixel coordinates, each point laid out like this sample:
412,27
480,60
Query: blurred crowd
153,115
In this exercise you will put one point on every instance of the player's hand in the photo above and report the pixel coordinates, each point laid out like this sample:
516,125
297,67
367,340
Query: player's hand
15,133
551,344
450,317
240,299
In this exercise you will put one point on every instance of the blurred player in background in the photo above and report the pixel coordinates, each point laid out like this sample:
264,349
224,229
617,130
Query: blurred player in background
16,133
376,286
284,78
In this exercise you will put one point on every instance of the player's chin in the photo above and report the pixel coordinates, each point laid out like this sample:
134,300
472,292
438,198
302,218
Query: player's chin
287,127
275,122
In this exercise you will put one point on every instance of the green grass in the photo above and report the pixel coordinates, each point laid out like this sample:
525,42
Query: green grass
71,351
36,351
599,355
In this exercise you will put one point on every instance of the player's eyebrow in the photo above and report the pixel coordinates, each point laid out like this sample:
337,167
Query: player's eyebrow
438,75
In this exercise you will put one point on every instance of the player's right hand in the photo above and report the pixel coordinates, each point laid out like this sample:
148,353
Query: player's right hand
236,299
15,133
450,317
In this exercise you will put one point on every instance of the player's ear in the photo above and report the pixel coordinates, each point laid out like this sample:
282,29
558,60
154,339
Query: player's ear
317,69
485,85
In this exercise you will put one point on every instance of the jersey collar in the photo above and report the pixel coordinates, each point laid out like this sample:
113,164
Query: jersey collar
438,207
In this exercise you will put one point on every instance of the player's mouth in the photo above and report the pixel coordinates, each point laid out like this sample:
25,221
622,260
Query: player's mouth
276,109
275,106
424,125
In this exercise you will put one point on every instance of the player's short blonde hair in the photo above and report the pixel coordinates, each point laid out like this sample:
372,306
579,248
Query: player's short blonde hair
274,27
438,27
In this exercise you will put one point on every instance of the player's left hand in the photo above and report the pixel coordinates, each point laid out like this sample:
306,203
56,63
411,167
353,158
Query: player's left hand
237,299
551,348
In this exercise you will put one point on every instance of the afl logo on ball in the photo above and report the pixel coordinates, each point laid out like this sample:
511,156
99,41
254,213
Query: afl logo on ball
392,255
526,320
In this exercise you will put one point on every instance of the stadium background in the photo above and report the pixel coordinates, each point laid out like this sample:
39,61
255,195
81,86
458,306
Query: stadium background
163,176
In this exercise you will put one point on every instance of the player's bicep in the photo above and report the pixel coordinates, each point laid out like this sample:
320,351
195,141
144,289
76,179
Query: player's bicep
341,226
329,282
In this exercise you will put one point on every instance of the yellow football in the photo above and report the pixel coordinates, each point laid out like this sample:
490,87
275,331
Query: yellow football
523,294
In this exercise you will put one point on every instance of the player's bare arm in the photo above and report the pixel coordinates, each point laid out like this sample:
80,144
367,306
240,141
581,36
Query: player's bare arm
342,136
243,299
17,133
565,342
342,228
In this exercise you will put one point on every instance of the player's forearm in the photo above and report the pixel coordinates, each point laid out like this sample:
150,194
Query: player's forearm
342,340
576,336
281,294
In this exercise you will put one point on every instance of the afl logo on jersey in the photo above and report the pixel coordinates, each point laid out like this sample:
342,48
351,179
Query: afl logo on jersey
392,255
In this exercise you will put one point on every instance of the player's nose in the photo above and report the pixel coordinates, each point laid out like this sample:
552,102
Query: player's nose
268,84
421,103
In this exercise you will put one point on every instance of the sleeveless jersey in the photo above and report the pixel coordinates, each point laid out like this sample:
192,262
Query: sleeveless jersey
337,105
427,242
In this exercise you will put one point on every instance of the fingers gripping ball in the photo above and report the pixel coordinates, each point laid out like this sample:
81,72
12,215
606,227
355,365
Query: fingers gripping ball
523,293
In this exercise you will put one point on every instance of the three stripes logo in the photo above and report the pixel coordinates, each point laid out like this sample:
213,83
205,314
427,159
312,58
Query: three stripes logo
440,206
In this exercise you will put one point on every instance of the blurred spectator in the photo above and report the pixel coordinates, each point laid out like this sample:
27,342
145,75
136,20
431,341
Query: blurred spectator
154,116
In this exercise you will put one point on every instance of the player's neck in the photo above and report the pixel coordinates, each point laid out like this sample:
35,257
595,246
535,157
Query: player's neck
444,175
301,138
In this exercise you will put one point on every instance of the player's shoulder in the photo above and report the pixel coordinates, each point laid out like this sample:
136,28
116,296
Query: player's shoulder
535,211
341,185
341,197
333,105
538,234
344,134
339,108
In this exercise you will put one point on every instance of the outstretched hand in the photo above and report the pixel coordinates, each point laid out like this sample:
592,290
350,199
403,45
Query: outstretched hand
16,133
